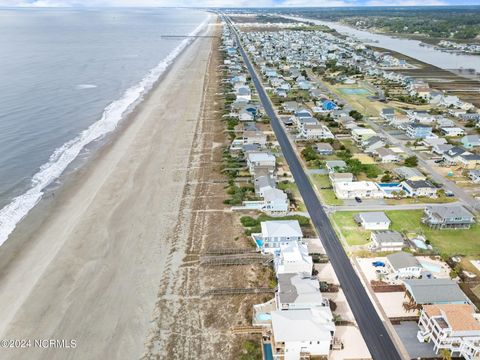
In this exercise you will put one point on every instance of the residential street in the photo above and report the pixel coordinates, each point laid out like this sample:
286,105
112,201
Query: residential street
373,330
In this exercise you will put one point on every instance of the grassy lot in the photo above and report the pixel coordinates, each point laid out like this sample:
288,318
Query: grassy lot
293,189
451,242
321,181
350,145
353,234
422,200
328,197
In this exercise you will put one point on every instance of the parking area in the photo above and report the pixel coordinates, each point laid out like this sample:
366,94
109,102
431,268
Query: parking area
407,331
354,345
371,272
392,304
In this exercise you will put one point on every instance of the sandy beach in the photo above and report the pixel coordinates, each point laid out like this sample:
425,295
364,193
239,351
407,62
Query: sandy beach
90,271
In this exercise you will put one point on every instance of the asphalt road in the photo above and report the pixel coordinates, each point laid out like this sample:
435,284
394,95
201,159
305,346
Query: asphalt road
373,330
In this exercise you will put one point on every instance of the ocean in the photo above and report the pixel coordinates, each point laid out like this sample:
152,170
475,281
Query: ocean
68,77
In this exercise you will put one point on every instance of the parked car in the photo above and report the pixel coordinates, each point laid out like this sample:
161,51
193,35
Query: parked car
378,264
449,193
357,199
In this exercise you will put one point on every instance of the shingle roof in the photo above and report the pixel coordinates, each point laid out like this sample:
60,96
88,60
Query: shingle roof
402,260
459,316
434,291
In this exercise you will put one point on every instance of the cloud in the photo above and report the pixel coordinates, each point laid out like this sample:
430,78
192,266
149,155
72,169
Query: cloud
407,3
223,3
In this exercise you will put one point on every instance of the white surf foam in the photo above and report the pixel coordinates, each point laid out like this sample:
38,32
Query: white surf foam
86,86
18,208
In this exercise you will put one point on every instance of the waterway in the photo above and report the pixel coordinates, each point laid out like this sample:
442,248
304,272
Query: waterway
412,48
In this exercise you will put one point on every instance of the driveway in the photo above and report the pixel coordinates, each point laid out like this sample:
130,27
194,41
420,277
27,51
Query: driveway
407,331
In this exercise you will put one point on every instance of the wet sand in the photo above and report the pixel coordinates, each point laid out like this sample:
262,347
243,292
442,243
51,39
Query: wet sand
90,271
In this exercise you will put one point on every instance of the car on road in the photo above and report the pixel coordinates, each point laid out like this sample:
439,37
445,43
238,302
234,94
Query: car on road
449,193
378,264
438,161
357,199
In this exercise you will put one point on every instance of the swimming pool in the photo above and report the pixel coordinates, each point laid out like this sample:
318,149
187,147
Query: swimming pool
267,351
420,244
259,243
434,268
263,317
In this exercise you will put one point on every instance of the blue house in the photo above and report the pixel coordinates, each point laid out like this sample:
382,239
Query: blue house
329,105
419,131
471,141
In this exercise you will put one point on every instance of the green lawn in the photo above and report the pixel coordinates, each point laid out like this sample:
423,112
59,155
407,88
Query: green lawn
293,189
328,197
451,242
421,200
321,181
353,234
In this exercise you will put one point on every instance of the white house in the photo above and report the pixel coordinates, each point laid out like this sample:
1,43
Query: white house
386,240
362,134
361,189
315,132
404,266
419,188
386,155
300,333
277,232
275,202
298,291
454,327
244,93
259,159
293,258
452,131
374,220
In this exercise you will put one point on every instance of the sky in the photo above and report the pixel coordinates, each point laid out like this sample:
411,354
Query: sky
231,3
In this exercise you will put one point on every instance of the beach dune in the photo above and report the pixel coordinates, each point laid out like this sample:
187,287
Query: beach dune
89,273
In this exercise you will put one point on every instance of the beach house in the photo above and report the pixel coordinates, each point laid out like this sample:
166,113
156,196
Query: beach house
418,131
302,334
293,259
471,141
361,134
419,292
404,266
277,232
419,188
454,327
360,189
298,291
447,217
373,220
386,240
260,159
408,173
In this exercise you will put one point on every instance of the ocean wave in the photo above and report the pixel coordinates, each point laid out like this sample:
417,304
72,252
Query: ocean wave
19,207
85,86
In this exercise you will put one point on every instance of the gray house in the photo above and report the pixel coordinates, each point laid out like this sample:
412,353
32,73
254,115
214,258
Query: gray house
448,217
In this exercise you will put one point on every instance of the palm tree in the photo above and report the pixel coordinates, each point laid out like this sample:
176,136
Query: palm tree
446,354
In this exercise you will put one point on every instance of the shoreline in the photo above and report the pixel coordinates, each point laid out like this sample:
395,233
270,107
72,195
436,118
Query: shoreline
64,159
51,243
